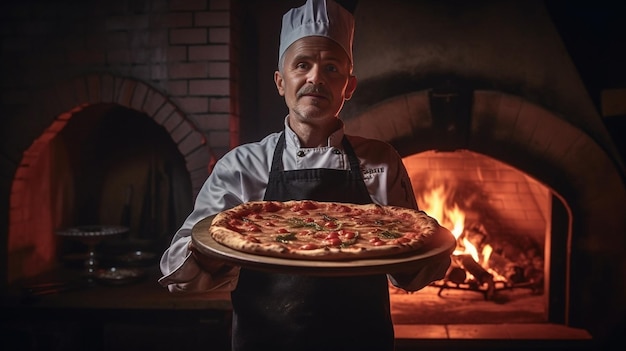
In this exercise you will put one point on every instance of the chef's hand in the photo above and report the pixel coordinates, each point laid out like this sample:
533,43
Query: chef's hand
413,280
436,269
210,265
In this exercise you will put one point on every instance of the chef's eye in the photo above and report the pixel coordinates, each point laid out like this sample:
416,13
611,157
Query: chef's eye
331,68
302,65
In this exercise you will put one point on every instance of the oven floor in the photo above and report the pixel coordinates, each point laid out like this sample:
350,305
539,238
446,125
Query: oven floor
466,307
458,319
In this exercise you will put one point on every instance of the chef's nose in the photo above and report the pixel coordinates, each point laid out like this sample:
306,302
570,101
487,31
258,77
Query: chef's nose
315,76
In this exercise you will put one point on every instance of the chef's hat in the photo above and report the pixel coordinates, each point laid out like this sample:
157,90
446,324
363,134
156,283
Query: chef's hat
323,18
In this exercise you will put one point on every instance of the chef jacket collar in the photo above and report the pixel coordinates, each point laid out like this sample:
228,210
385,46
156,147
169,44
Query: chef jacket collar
334,140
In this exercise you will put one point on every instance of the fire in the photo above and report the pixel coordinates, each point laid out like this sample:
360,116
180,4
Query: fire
490,254
436,202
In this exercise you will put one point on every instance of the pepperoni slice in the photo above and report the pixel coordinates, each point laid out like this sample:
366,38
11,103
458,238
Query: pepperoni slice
271,206
309,247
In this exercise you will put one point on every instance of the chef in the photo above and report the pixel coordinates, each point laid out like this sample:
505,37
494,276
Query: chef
311,158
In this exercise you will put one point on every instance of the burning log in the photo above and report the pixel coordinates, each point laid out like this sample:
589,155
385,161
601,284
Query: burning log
470,265
457,275
481,275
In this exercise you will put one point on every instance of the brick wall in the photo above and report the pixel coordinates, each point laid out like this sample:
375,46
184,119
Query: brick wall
173,61
167,57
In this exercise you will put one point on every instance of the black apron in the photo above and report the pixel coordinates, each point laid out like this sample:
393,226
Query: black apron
300,313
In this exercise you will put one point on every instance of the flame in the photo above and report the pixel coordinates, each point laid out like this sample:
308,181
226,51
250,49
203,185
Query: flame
468,248
487,250
457,218
434,202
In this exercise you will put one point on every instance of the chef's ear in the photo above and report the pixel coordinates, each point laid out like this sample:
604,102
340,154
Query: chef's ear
278,80
350,88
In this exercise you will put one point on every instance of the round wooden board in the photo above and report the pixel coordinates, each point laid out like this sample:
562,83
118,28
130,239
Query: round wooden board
207,245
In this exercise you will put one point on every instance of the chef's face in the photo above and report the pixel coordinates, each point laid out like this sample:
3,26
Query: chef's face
315,79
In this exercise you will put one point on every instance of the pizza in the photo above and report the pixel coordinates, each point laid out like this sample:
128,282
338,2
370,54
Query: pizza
314,230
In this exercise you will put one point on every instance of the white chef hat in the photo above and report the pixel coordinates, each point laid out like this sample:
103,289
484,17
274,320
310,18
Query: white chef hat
323,18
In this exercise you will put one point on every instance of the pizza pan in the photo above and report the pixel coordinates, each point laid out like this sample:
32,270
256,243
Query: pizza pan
437,249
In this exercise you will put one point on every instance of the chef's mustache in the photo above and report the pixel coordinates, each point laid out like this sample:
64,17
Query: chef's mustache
313,89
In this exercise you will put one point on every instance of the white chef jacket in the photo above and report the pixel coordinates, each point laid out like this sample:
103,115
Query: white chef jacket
241,175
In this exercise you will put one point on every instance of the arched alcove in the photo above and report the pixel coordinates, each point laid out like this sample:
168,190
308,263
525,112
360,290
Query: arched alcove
95,106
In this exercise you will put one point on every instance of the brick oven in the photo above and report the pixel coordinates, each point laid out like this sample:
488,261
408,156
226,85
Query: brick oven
124,106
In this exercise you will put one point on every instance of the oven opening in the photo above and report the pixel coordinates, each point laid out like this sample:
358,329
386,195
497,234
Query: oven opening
501,219
105,167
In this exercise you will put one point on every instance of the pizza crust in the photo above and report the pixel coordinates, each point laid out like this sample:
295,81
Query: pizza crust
254,227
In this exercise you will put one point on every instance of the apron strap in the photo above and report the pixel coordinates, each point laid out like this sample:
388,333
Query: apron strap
277,159
355,167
